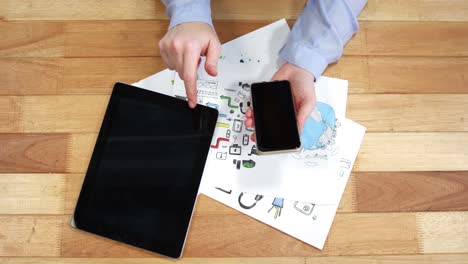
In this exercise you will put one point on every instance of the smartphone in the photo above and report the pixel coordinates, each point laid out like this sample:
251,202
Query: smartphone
275,117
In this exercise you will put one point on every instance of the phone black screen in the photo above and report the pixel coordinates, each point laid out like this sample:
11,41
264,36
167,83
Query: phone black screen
275,118
143,177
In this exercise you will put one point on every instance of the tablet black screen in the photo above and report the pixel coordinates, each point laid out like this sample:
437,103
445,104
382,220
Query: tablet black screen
145,170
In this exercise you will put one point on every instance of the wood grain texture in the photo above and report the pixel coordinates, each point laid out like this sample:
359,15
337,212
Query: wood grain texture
63,113
10,114
393,259
32,39
418,151
415,39
140,38
365,193
98,75
379,113
32,193
411,191
366,74
33,152
409,10
417,75
79,152
30,235
23,76
240,235
210,236
155,260
398,112
443,232
423,151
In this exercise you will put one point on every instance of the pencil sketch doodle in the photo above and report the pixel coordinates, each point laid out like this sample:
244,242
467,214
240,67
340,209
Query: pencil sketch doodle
277,204
253,200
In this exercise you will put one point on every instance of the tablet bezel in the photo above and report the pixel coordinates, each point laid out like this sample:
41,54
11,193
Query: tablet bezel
122,90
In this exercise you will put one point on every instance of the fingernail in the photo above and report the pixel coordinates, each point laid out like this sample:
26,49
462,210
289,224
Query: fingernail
192,104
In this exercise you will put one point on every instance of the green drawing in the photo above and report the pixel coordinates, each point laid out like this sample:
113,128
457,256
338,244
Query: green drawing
229,101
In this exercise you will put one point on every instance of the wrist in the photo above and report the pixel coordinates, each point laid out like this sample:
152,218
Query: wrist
190,11
290,68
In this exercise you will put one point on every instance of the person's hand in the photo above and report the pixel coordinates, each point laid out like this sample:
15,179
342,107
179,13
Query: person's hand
303,91
181,49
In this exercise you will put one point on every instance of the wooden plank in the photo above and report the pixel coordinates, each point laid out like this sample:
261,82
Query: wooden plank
366,74
140,38
413,152
63,113
73,184
416,75
355,69
372,234
395,259
33,152
241,236
32,39
422,151
98,75
10,113
30,76
408,112
30,235
80,10
412,10
443,232
407,10
80,150
411,191
415,39
379,113
50,76
415,10
224,235
440,10
157,260
113,38
131,10
32,193
369,192
392,259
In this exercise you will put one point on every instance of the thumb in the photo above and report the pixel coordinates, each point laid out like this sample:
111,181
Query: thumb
212,54
304,113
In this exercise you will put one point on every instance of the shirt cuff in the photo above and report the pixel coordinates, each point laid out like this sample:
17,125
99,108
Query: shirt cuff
300,55
190,11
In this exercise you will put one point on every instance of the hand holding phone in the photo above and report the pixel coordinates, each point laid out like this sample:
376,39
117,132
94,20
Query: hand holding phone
275,118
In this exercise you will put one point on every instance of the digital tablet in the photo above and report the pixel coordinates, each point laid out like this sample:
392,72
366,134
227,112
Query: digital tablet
143,178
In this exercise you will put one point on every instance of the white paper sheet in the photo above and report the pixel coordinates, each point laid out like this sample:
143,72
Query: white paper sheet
306,221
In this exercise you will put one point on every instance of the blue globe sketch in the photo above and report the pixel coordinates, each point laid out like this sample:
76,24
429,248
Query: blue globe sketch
320,128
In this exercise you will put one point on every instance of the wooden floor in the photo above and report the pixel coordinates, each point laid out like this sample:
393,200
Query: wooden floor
407,200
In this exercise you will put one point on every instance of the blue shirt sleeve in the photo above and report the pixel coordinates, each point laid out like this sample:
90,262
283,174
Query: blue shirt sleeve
320,33
181,11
